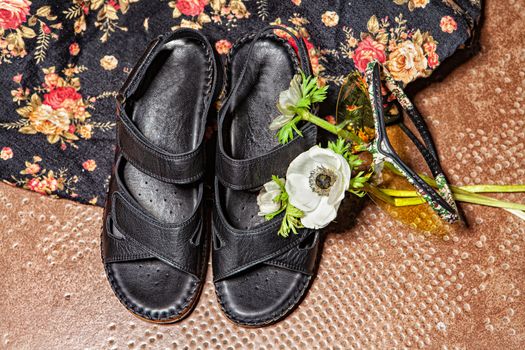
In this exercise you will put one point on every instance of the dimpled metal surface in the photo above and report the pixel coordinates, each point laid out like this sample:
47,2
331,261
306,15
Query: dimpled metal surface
380,284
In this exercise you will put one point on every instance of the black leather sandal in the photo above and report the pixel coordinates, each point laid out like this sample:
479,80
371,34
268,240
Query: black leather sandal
154,240
259,276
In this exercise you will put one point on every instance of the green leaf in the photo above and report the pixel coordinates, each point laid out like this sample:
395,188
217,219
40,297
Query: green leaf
44,11
70,136
27,130
24,111
279,182
311,92
291,221
270,216
373,23
353,160
53,138
342,147
286,133
357,183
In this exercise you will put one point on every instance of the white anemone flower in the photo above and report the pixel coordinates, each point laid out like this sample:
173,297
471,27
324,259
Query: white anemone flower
316,182
288,99
266,198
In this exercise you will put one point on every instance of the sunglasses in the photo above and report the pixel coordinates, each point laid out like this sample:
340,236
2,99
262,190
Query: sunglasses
360,108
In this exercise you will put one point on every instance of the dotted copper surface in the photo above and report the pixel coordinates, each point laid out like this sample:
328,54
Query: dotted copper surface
381,285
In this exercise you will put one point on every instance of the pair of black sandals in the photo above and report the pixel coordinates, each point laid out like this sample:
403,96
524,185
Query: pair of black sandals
156,237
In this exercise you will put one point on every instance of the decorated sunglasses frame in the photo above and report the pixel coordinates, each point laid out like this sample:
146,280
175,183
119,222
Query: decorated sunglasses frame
441,201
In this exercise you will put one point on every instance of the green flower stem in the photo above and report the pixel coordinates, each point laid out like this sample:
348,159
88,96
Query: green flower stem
334,129
398,193
379,194
494,188
491,202
411,198
383,194
463,189
401,202
408,201
462,194
468,190
516,212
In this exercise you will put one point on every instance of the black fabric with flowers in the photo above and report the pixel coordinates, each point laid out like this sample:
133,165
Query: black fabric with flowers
62,64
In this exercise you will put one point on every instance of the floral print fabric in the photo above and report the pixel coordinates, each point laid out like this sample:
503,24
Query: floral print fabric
62,63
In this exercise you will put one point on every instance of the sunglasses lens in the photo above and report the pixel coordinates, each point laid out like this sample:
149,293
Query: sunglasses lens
354,109
420,217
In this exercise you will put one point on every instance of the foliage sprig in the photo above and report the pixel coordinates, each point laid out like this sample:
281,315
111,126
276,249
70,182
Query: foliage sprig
292,216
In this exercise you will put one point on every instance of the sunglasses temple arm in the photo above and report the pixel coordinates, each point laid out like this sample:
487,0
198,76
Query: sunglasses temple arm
393,86
430,159
436,201
435,167
448,209
429,152
422,128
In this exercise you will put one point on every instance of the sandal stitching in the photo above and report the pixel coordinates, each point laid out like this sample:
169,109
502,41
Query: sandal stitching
274,316
120,258
288,266
135,308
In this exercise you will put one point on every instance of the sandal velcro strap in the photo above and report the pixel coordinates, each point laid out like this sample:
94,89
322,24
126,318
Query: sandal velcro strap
172,168
248,174
143,236
236,251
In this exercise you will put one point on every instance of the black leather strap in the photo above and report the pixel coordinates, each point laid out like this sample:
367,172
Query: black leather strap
236,251
301,258
246,174
173,168
174,244
118,249
133,234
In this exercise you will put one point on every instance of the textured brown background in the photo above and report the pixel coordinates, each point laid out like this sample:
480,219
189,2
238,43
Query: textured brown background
380,284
